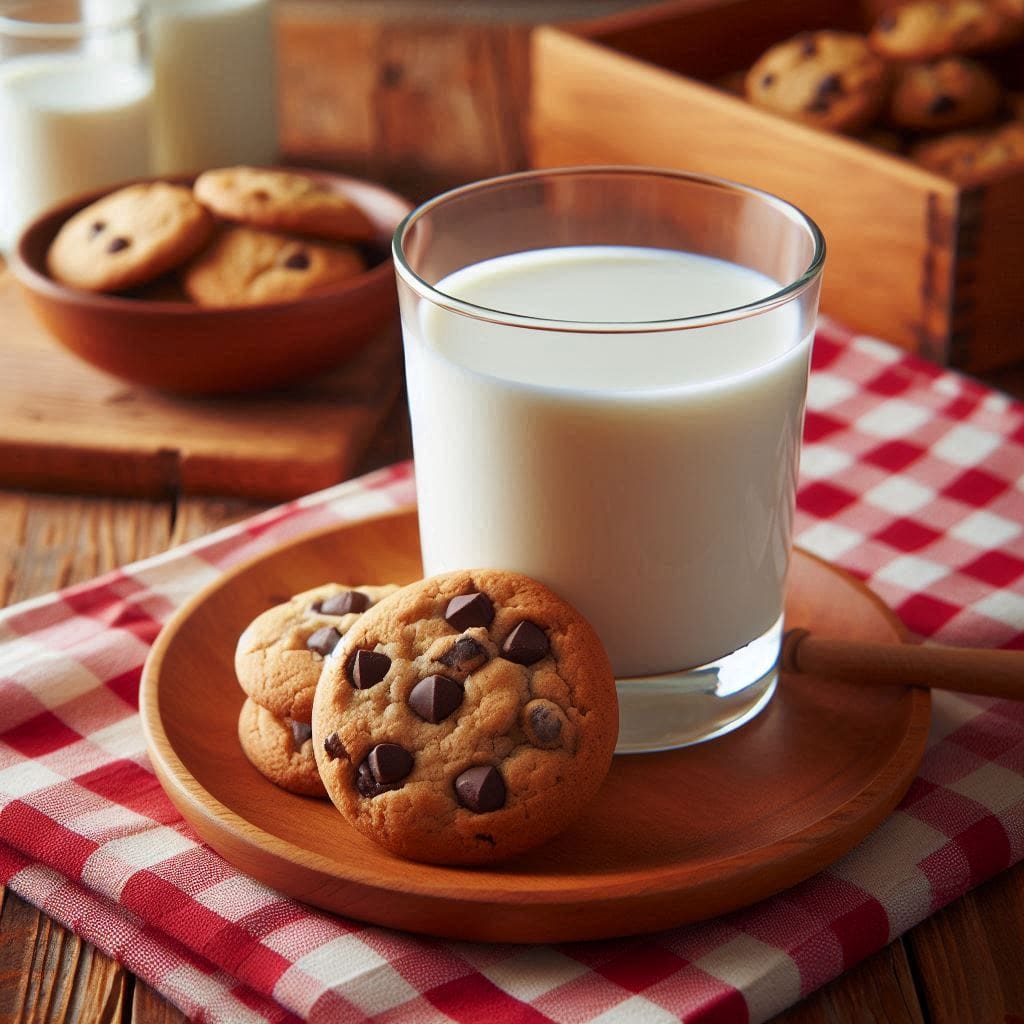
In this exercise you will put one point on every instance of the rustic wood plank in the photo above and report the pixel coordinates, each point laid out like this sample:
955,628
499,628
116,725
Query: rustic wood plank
149,1007
969,957
49,974
880,989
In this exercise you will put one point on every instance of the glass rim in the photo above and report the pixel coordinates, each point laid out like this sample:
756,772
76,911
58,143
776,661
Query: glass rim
124,14
780,297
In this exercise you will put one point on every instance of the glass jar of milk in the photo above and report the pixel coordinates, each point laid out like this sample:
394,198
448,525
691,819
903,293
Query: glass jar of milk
75,100
215,83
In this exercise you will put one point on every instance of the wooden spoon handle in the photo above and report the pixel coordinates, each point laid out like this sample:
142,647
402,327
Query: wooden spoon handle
991,673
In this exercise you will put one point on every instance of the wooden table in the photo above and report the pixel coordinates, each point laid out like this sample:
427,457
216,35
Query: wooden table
421,106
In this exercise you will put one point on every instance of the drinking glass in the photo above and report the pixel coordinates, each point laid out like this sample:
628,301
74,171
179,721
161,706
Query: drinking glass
607,369
75,97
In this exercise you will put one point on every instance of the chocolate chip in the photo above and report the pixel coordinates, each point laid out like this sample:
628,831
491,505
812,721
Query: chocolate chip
117,244
366,784
543,721
887,22
297,260
343,604
435,698
301,731
942,104
367,668
808,45
767,80
469,610
390,763
526,644
464,655
828,89
334,747
324,640
97,227
261,195
480,789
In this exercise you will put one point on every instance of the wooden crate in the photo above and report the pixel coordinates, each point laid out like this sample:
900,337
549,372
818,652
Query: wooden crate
912,257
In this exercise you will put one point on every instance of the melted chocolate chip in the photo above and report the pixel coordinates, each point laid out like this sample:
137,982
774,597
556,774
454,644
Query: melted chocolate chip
297,260
301,731
334,747
390,763
343,604
480,789
545,723
526,644
367,668
435,698
942,104
117,244
829,88
324,640
469,610
464,655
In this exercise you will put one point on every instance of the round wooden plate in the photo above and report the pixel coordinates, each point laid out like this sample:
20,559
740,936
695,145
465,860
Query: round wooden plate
672,837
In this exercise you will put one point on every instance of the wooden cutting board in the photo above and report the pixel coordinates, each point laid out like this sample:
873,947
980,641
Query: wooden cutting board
66,426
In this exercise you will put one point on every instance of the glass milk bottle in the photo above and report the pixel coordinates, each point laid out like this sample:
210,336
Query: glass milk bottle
75,99
215,84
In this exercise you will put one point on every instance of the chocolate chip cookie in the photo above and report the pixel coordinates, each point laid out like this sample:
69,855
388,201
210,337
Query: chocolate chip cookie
129,237
971,158
281,749
466,718
279,656
927,29
248,266
281,200
831,80
954,92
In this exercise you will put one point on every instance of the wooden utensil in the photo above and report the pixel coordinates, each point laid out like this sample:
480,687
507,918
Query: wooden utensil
989,673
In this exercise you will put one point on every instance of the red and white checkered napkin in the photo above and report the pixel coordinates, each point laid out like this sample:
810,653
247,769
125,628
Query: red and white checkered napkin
912,478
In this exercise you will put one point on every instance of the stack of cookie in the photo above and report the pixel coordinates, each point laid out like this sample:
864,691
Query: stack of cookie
278,661
926,80
239,236
459,720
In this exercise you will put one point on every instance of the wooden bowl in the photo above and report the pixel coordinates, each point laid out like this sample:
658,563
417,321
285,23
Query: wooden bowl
159,340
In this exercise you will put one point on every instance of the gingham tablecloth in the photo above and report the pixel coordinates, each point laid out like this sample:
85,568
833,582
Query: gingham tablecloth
912,478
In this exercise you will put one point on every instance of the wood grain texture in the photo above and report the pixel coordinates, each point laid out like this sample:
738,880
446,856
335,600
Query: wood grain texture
67,426
332,74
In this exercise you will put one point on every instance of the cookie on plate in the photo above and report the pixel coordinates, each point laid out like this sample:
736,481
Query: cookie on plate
974,157
280,748
954,92
245,266
281,200
831,80
466,718
927,29
129,237
279,656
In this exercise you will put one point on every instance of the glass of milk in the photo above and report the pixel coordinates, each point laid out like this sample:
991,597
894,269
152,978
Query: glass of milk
215,84
606,372
75,97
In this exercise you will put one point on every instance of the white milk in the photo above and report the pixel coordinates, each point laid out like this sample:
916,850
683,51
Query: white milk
69,123
214,73
647,478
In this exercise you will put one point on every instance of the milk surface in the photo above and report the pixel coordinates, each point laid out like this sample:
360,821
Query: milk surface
70,123
647,477
216,97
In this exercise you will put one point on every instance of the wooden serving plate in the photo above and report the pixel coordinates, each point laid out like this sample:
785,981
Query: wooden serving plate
672,838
